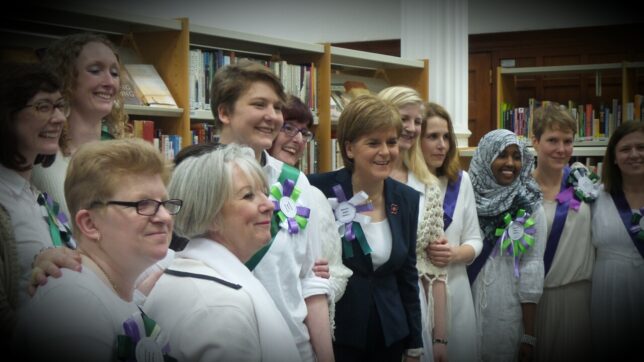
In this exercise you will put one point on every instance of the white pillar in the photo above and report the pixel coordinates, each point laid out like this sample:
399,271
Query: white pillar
438,30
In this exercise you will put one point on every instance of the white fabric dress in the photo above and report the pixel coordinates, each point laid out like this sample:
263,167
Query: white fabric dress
617,302
286,271
76,317
562,324
214,322
498,295
30,229
464,230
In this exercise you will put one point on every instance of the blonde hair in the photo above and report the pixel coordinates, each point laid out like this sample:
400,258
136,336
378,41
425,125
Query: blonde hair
362,116
205,183
61,57
551,116
401,96
95,172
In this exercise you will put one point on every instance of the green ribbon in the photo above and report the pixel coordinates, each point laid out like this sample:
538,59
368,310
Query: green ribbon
290,173
362,242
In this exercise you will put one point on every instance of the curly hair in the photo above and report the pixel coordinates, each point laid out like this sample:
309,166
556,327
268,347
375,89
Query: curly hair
61,57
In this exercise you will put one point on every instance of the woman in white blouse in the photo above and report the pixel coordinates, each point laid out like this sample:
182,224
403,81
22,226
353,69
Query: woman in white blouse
463,238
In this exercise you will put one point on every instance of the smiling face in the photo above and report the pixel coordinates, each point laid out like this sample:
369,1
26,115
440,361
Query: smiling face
255,119
629,156
411,120
134,241
507,165
554,148
289,149
374,154
244,223
38,132
435,143
97,81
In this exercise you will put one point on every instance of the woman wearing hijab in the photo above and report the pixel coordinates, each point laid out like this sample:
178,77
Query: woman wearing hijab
507,277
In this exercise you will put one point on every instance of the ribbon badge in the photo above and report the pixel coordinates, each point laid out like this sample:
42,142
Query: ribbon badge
637,222
57,220
516,236
582,186
348,218
143,340
292,214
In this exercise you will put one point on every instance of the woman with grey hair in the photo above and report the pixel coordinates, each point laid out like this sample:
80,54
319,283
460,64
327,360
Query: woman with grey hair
219,311
507,277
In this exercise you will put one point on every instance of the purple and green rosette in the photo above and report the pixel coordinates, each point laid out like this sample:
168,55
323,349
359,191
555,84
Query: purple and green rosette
348,216
583,186
516,236
637,225
293,216
143,341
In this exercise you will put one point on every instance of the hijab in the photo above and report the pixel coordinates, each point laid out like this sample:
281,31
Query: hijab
493,201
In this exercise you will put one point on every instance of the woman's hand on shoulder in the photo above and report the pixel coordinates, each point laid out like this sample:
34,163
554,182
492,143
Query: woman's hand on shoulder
48,262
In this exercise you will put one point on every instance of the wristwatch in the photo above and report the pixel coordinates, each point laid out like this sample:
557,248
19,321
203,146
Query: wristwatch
414,352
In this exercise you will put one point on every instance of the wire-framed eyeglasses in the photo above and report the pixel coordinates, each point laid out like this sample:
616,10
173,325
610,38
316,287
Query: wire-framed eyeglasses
147,207
292,131
46,108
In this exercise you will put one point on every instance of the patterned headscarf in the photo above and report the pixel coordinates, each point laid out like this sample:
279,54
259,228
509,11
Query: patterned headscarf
494,200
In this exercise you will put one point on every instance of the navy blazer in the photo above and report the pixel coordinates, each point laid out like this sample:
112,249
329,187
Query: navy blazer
392,288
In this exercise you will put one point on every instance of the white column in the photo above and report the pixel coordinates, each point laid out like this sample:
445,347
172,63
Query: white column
438,30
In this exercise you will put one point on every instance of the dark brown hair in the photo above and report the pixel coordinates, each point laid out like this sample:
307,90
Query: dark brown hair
19,82
611,174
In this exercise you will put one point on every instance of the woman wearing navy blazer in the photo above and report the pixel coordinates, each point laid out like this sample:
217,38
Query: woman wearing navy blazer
378,318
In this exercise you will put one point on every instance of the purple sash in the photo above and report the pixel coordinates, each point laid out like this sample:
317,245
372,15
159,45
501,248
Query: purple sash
449,203
626,215
557,226
476,266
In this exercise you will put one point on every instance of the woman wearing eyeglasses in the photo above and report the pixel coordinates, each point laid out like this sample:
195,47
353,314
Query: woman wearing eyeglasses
32,114
122,222
291,141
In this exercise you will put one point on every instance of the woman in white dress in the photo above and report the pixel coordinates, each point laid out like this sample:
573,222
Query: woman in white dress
411,169
617,315
507,277
438,144
563,313
219,311
122,223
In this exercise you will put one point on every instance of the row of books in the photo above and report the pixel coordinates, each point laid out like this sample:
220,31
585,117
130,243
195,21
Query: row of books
298,80
169,145
594,123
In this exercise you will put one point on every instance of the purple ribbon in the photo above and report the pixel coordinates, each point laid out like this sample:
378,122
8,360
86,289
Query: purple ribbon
568,195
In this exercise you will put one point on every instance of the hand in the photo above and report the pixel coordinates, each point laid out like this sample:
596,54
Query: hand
440,252
525,352
49,262
321,268
440,352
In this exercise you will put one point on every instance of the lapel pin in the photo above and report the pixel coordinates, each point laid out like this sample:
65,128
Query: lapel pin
393,209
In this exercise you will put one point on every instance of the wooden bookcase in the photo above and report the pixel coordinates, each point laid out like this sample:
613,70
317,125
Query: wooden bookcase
166,43
622,82
163,43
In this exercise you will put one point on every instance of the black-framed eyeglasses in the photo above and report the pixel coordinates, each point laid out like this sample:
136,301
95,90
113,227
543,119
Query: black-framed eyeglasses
292,131
147,207
46,108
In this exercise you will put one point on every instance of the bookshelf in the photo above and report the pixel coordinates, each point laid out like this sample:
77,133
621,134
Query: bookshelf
355,64
160,42
166,43
628,75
